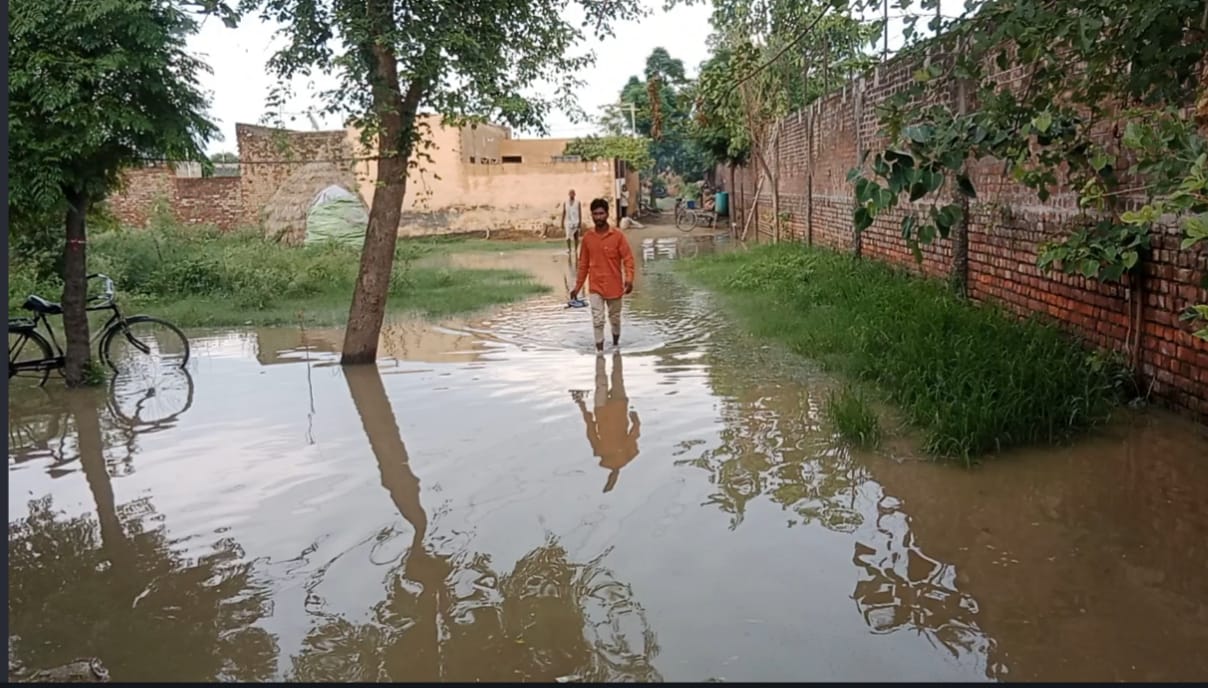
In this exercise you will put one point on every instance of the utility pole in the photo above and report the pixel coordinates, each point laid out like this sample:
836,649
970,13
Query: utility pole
633,127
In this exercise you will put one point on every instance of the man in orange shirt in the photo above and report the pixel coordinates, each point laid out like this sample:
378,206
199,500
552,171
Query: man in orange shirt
603,253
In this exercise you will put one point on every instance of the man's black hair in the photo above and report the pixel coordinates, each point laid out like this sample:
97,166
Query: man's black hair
599,203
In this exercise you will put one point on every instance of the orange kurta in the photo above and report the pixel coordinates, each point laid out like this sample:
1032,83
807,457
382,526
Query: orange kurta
601,258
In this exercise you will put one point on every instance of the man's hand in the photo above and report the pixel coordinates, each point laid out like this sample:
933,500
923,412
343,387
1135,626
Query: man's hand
628,287
574,296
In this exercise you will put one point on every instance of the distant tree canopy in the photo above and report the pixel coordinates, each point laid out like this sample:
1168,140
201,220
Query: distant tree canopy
658,106
633,150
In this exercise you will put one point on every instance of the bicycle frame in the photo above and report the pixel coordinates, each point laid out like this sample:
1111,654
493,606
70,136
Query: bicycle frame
108,304
116,317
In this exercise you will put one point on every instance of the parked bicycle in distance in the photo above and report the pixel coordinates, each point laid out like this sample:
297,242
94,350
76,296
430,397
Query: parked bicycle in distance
687,219
123,343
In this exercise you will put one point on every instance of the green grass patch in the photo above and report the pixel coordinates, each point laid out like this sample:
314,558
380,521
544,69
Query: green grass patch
972,379
201,277
853,418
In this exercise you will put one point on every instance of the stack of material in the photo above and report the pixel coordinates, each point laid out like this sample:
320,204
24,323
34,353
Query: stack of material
286,213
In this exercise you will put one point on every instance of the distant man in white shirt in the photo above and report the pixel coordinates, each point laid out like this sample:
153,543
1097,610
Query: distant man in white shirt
572,221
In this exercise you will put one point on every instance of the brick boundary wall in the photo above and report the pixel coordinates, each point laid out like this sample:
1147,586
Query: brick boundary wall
1007,224
192,200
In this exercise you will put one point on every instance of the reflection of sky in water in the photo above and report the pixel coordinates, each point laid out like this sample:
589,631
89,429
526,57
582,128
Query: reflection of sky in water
742,542
504,465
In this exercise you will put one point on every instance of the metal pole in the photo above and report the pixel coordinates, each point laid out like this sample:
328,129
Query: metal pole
885,38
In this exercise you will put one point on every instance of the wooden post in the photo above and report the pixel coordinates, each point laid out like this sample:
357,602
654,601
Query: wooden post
754,212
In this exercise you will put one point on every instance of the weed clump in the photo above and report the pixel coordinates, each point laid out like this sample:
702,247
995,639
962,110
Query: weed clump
853,417
972,378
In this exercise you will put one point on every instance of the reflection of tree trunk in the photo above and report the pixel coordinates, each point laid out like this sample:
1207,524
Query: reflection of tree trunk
117,548
75,289
381,428
416,653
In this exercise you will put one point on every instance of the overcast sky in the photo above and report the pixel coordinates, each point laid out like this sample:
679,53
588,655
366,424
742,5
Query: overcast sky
239,84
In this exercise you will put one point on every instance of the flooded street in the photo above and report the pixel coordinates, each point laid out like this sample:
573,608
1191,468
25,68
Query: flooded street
495,502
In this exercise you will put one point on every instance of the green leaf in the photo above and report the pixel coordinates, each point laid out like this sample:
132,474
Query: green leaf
1043,122
1130,259
880,167
926,233
908,223
1090,267
954,159
885,199
946,218
899,158
922,75
864,190
1196,229
966,185
922,185
919,133
862,219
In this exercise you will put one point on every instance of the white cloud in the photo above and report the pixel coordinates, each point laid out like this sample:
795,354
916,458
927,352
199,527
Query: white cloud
240,82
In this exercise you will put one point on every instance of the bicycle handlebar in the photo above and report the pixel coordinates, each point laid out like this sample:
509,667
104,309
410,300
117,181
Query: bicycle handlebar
107,296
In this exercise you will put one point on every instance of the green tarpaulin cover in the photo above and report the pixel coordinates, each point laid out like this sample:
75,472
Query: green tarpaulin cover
336,216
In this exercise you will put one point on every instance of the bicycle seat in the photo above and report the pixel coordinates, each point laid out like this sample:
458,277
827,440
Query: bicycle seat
38,304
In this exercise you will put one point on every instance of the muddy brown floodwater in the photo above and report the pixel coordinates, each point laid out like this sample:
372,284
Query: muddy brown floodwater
494,502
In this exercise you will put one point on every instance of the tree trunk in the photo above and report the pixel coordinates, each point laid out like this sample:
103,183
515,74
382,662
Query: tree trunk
960,235
857,240
75,290
960,251
396,120
767,173
809,180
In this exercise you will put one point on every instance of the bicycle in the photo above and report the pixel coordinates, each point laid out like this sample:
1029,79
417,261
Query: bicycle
688,219
23,332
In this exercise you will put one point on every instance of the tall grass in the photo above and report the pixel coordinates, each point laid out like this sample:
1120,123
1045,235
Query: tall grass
973,379
200,276
852,417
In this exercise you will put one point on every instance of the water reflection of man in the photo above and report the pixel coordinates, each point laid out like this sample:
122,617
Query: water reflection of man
613,430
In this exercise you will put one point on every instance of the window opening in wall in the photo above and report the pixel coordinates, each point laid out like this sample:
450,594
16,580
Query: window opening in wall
512,159
473,160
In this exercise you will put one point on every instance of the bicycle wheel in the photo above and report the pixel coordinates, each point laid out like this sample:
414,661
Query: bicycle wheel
26,347
146,404
686,220
144,342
